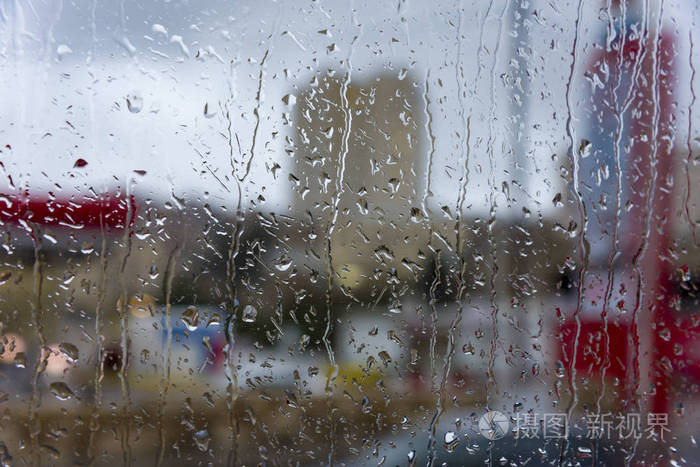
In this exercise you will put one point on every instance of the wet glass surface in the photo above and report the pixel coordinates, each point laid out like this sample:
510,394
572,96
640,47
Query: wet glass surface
349,233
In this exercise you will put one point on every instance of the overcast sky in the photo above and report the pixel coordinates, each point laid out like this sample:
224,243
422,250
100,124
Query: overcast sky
68,68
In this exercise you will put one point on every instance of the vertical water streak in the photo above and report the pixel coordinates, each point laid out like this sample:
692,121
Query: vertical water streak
688,160
582,219
124,427
167,352
614,249
492,211
641,270
436,280
43,356
635,310
99,336
335,202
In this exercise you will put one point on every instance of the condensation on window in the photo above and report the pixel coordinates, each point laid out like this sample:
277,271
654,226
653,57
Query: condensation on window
325,232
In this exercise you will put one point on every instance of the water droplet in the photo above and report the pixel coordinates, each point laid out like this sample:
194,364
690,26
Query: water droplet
50,451
584,149
383,253
208,111
283,263
190,317
62,50
557,200
61,390
5,276
201,439
417,215
208,399
206,342
366,407
685,273
250,313
289,99
134,102
411,456
451,440
176,39
214,320
128,46
159,29
386,358
414,357
20,360
80,163
70,351
391,334
468,349
677,349
395,308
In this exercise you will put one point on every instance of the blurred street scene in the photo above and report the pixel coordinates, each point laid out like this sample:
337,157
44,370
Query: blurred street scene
343,233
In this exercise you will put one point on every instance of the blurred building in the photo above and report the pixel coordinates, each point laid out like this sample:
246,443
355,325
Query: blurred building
360,157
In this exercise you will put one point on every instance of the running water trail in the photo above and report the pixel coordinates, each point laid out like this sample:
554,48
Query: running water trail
574,188
230,371
439,403
640,255
256,112
231,291
492,212
635,317
167,352
94,423
42,359
335,202
124,428
689,159
99,335
436,275
620,108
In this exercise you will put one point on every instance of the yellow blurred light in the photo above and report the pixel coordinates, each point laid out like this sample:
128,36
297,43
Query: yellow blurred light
140,305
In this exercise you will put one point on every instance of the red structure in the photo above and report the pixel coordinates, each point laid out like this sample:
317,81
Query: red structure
632,327
110,210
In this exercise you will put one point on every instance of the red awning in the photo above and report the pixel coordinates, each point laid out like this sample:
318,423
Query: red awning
110,210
